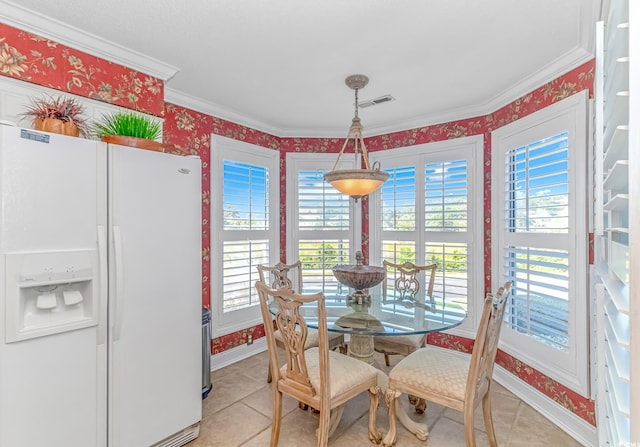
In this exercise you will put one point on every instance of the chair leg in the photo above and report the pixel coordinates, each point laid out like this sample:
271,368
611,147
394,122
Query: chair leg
375,435
469,433
488,420
420,405
323,429
390,398
277,418
334,419
269,378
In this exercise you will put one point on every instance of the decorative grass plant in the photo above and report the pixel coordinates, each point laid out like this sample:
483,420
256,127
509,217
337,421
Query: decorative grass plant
129,124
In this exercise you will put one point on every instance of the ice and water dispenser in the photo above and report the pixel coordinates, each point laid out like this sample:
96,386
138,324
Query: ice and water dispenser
49,293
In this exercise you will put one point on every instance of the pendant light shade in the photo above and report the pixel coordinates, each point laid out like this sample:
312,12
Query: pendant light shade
356,182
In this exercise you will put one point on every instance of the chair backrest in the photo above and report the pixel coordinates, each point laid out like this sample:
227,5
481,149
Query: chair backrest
485,346
408,277
282,275
293,329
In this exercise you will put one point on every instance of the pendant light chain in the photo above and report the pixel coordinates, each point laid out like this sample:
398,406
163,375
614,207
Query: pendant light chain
356,89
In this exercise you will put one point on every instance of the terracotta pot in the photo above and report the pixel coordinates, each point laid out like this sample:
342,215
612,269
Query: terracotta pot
140,143
71,129
56,126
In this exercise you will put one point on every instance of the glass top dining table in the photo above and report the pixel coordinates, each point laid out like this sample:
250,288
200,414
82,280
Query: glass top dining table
383,316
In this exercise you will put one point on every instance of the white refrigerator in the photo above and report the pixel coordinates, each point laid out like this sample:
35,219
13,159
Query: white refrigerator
100,294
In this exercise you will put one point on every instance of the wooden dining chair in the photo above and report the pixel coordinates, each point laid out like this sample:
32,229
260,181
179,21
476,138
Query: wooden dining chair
407,278
450,378
321,378
290,275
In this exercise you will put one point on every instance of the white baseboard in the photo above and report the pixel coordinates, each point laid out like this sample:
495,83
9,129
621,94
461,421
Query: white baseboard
238,353
573,425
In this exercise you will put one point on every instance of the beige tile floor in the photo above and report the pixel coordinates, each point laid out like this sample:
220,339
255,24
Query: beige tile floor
238,413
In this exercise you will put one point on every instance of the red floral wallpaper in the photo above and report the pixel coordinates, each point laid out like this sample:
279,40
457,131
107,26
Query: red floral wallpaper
41,61
34,59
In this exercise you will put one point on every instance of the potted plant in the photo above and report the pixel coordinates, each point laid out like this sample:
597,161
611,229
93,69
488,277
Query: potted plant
60,114
130,128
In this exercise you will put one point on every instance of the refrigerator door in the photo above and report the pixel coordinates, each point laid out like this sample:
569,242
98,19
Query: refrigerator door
52,290
155,296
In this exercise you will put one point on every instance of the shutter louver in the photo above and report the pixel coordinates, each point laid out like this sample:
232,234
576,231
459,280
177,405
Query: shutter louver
324,228
320,206
318,259
446,196
399,200
539,299
613,285
240,272
245,204
245,196
538,193
537,202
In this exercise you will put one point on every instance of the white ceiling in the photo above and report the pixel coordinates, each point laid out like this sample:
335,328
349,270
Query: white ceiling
279,65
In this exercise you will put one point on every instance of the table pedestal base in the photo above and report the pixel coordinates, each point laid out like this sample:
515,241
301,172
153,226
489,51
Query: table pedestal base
361,348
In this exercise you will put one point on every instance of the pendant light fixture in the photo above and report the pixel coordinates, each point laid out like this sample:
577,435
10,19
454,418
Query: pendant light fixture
356,182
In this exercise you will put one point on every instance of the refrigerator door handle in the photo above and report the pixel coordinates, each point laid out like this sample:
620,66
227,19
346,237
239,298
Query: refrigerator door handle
102,260
119,283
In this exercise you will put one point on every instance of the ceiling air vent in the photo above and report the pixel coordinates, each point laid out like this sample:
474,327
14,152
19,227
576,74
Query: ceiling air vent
376,101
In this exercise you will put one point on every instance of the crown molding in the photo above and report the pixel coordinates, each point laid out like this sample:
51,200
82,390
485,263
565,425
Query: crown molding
562,65
182,99
36,23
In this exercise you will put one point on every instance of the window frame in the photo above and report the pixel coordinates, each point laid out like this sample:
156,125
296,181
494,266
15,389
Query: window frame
571,368
471,149
296,162
223,148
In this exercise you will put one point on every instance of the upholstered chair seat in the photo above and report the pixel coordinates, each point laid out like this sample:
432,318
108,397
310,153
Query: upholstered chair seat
345,373
434,370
